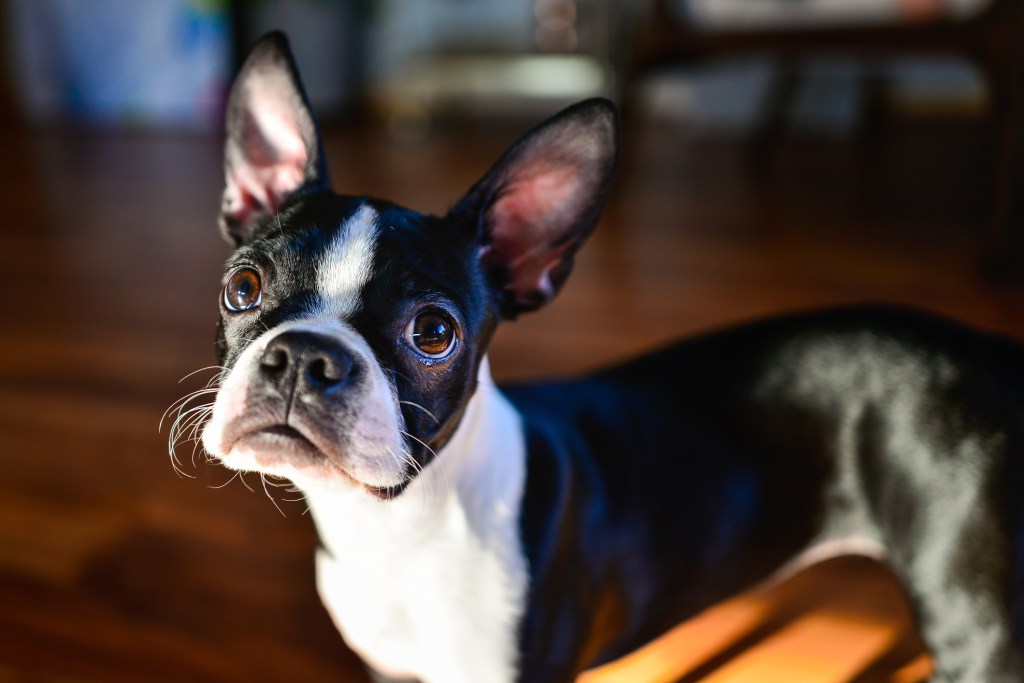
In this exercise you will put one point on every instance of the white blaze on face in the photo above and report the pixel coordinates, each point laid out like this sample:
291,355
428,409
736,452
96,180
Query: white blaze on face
346,265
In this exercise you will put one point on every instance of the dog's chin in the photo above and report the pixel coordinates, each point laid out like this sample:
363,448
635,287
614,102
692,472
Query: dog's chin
283,451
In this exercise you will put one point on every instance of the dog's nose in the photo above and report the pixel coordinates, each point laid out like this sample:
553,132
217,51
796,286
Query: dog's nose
314,362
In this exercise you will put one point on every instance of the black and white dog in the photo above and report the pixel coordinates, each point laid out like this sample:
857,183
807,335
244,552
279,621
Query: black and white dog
471,535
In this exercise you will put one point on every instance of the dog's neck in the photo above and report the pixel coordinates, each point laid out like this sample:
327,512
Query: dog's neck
486,457
454,529
479,473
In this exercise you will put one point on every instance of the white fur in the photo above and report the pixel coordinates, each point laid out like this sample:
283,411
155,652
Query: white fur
347,264
431,585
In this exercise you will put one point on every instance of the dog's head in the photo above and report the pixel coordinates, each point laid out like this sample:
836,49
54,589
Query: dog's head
352,329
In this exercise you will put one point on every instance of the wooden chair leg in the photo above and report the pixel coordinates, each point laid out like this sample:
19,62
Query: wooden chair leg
771,124
1004,236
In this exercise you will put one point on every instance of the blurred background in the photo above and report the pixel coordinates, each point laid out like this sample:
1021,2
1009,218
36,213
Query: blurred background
778,155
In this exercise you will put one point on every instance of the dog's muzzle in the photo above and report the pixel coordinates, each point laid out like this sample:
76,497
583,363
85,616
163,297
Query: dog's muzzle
309,404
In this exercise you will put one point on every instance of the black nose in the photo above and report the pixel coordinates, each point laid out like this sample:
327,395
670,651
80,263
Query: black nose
312,362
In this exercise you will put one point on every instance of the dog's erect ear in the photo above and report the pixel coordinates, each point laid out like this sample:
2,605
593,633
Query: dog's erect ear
272,148
539,202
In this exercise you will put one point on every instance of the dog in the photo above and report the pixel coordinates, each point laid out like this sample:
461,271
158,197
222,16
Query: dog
471,534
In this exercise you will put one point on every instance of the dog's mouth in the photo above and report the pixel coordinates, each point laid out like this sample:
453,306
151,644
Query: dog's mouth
281,444
386,492
275,444
286,432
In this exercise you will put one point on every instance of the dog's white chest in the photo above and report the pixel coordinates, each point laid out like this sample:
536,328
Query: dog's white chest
431,585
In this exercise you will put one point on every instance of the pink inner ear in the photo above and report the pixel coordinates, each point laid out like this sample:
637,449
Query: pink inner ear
530,223
278,160
272,164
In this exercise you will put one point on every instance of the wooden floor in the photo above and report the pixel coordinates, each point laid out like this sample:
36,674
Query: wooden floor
113,568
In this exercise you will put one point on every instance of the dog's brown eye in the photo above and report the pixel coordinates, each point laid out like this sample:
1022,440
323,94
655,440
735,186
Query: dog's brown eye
243,290
432,334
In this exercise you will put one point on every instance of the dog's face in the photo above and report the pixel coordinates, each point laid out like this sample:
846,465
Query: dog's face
352,329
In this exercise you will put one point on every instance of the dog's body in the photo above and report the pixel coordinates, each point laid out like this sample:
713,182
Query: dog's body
712,464
471,535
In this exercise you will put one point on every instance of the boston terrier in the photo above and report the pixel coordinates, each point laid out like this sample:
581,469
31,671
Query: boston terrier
472,534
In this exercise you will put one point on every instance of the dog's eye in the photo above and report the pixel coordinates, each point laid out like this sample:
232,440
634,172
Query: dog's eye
432,334
243,291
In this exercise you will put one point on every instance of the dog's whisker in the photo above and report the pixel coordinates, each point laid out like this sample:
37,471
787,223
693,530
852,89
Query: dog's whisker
196,443
185,429
214,382
185,421
241,478
187,418
420,442
193,432
176,466
398,461
420,468
263,478
444,471
401,463
231,479
280,226
182,418
417,405
185,399
182,402
407,459
408,462
220,369
264,325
